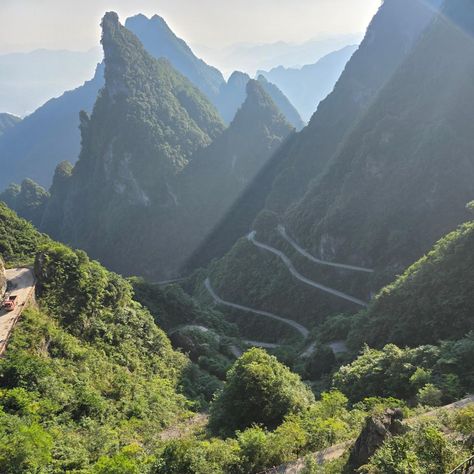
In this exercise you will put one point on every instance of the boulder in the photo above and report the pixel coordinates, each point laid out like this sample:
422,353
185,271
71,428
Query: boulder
376,430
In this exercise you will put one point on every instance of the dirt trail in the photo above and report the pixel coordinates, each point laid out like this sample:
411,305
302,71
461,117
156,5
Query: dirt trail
21,282
338,450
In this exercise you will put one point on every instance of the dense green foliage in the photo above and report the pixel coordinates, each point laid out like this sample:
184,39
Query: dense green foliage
89,381
19,240
431,301
402,373
28,200
258,390
87,372
323,423
423,450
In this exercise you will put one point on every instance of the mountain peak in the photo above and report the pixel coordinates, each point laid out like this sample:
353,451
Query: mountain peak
259,110
254,88
110,22
142,21
160,41
238,77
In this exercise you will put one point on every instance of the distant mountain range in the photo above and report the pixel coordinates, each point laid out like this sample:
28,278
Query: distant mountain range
7,121
307,86
254,57
28,80
51,134
156,153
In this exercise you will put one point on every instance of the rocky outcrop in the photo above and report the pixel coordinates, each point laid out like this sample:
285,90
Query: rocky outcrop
3,279
377,429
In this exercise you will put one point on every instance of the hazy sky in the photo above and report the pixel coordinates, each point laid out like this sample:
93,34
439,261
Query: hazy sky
74,24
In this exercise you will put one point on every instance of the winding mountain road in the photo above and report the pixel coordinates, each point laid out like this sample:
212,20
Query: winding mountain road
298,327
298,276
306,254
21,283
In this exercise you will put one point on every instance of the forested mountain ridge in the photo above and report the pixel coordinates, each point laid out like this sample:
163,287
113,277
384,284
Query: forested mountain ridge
405,173
428,312
430,302
307,86
51,134
391,35
227,97
86,365
170,171
220,173
261,280
147,123
160,41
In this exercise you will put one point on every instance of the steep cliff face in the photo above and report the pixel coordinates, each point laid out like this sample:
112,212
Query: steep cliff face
390,37
161,42
405,173
259,279
219,174
147,123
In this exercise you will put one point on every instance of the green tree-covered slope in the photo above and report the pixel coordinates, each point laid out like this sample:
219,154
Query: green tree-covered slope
254,277
146,125
404,175
87,371
432,301
89,382
219,174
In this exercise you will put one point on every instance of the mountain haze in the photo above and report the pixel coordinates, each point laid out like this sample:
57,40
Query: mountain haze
307,86
220,173
7,121
259,279
51,133
146,124
405,173
29,79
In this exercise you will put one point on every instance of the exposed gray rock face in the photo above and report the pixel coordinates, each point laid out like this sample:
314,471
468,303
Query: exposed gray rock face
377,429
